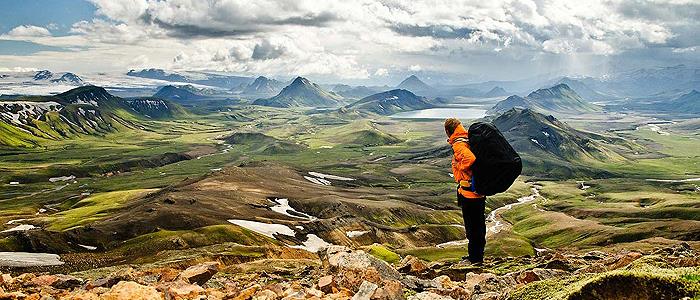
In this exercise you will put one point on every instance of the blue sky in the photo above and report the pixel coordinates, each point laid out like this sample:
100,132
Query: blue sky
368,41
45,13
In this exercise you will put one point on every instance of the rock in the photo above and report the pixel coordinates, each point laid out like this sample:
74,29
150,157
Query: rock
561,264
488,282
624,260
326,284
247,293
181,290
487,296
58,281
412,265
200,273
6,280
129,290
66,282
443,282
428,296
527,276
365,291
594,255
43,280
106,282
354,267
391,290
81,295
265,295
13,296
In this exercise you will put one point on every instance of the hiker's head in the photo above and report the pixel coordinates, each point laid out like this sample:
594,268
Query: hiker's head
450,126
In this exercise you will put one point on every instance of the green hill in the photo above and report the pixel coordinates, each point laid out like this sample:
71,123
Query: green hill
390,102
557,99
302,93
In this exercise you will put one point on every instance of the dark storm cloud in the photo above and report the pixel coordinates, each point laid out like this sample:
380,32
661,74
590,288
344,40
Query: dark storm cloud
670,12
436,31
261,25
267,50
311,20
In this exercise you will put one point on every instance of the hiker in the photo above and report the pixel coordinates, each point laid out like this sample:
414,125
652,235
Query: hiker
472,204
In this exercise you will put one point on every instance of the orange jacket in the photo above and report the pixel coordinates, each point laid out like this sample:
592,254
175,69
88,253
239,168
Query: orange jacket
462,159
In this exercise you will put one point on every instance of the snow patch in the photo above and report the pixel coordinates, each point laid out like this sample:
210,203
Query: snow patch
62,178
355,233
23,227
25,259
333,177
284,208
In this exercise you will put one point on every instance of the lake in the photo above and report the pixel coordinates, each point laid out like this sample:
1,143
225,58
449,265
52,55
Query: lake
465,113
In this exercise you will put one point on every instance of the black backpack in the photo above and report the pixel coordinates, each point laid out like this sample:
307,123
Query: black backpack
497,165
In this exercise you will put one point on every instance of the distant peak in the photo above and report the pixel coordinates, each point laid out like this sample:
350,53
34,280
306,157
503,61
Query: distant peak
300,81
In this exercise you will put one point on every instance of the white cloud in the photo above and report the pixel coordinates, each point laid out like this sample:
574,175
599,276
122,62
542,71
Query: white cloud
345,39
28,31
381,72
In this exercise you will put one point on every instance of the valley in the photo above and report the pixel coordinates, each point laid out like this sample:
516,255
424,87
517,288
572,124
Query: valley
91,182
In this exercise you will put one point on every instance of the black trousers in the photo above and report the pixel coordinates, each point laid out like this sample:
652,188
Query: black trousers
475,225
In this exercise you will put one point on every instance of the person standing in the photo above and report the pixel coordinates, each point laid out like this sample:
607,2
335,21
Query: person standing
473,205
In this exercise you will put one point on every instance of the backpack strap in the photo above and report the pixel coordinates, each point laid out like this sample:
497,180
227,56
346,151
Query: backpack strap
462,139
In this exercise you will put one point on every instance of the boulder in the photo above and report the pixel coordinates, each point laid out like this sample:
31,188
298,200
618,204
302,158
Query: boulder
537,274
326,284
200,273
265,295
181,290
428,296
247,293
391,290
58,281
131,290
365,291
81,295
354,267
412,265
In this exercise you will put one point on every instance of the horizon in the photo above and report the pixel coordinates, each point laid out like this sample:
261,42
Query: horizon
360,43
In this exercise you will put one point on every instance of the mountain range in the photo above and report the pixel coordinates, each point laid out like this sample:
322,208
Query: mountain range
65,78
557,99
211,79
302,93
24,121
263,86
390,102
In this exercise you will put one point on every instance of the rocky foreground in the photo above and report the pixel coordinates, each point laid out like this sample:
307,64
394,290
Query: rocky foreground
666,273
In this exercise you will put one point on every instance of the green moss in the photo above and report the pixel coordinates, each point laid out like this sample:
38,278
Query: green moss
92,208
383,253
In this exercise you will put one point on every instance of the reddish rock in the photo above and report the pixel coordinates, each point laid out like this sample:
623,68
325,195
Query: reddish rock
129,290
43,280
624,260
265,295
412,265
200,274
391,290
537,274
82,295
247,293
326,284
180,290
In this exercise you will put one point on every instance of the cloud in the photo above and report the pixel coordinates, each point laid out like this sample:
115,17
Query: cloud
28,31
381,72
345,39
268,50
